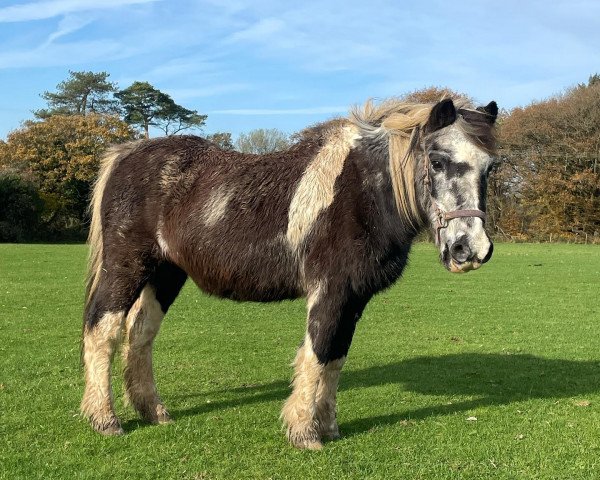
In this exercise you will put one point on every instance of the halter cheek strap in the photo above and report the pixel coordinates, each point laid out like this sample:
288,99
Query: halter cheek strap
444,217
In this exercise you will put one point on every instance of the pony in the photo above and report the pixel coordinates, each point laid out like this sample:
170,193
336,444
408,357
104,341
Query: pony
331,219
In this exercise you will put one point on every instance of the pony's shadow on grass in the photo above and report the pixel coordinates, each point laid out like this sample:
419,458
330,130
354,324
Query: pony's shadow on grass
485,379
246,394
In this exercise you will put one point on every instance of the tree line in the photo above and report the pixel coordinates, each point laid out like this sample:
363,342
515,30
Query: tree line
545,185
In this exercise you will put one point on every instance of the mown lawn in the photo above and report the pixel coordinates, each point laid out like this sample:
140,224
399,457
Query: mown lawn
493,374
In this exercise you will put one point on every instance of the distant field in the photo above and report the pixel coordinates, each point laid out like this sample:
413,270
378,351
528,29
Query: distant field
492,374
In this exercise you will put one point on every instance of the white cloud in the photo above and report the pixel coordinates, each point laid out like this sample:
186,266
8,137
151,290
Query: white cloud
324,37
54,8
67,25
68,54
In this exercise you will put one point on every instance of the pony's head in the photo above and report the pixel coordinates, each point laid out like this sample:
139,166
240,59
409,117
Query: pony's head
440,157
456,156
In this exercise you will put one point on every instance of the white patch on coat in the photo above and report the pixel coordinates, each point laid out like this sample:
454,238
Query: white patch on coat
160,240
315,293
315,191
216,206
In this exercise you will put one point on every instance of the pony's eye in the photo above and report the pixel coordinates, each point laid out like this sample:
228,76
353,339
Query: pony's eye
437,166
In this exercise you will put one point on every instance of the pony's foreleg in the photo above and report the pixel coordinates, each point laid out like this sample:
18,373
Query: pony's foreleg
326,399
100,340
310,411
299,412
142,325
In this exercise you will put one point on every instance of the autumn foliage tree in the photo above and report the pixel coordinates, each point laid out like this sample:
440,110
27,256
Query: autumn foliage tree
58,154
432,95
550,170
61,155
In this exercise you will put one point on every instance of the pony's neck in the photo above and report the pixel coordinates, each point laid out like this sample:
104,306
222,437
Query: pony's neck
385,218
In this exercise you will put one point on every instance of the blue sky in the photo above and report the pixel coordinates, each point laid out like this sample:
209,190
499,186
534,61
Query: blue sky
281,64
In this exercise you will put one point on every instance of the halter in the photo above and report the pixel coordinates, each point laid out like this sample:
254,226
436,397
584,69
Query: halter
444,217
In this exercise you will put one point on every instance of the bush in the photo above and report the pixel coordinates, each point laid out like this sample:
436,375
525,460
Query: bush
20,209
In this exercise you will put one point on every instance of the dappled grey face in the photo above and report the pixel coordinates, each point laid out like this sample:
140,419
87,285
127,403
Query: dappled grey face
458,173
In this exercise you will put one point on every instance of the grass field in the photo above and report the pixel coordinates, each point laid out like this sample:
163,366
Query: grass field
493,374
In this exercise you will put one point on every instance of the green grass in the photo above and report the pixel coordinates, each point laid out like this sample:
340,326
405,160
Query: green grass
515,345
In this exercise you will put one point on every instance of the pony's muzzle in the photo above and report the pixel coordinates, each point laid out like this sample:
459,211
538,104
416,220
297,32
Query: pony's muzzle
461,256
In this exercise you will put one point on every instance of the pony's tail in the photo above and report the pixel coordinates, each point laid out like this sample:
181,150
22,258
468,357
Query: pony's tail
95,240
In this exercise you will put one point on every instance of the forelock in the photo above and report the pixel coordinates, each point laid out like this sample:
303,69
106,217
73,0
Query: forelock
478,129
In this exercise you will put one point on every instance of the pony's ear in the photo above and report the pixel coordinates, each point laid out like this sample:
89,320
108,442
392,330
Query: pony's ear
442,115
491,112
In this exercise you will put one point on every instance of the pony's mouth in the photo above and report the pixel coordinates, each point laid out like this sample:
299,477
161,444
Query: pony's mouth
458,267
463,267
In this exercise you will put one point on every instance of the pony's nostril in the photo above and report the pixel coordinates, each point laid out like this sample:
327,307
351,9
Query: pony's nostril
460,250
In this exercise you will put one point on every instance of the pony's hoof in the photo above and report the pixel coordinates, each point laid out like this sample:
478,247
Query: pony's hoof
154,414
313,445
308,444
164,419
108,426
305,441
111,430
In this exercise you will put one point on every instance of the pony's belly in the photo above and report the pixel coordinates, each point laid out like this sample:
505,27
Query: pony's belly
261,275
236,289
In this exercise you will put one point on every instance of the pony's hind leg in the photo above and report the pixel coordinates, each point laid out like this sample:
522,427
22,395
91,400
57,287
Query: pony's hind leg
142,326
118,284
101,335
